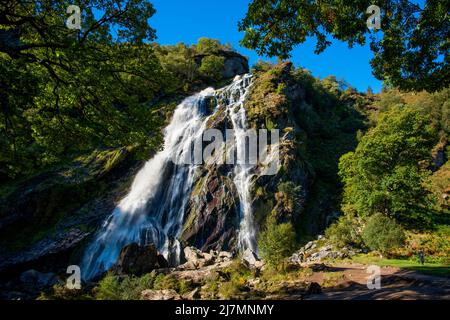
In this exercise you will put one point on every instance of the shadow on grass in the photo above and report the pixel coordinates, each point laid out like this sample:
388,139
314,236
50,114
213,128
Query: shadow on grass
406,283
441,271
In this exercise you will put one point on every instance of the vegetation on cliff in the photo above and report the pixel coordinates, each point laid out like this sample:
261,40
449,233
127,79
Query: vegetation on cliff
79,111
398,170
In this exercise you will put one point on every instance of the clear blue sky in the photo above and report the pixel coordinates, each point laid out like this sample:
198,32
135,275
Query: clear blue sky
187,21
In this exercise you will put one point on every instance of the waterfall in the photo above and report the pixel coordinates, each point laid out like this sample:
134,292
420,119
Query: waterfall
153,210
237,93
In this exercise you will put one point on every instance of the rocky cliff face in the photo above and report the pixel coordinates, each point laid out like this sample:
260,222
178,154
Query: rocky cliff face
273,102
212,220
234,63
314,133
71,202
212,217
52,214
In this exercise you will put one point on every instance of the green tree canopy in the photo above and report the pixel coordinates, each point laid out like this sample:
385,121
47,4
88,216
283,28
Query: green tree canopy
412,53
64,90
212,67
385,173
383,234
208,46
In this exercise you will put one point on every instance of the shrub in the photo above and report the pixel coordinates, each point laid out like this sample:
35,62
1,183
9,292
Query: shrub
61,292
290,195
113,287
235,276
383,234
435,245
261,66
344,232
170,282
276,243
229,290
109,288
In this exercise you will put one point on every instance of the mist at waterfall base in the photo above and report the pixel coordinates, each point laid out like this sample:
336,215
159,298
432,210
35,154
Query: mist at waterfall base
153,210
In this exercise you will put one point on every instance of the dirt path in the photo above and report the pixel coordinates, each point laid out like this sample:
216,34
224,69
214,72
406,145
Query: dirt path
349,281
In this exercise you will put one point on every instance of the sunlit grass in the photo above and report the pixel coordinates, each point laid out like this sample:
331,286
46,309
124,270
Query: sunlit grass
430,268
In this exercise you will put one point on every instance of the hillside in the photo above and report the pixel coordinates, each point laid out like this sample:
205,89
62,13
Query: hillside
51,215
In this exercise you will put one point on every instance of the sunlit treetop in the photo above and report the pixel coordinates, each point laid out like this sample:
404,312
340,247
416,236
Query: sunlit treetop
411,50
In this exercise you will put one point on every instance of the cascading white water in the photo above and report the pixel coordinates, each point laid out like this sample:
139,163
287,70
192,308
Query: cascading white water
237,93
153,210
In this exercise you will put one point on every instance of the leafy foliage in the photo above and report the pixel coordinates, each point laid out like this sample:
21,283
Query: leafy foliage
208,46
385,173
344,232
212,67
113,287
66,91
276,243
382,233
439,185
412,54
290,195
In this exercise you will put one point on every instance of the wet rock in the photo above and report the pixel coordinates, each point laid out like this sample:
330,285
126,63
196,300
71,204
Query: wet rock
250,259
35,279
138,260
212,216
166,294
84,191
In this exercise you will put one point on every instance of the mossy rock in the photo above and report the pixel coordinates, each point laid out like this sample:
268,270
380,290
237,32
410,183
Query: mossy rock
33,209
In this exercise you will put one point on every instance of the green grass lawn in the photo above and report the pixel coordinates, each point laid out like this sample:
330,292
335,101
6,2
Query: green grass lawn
430,268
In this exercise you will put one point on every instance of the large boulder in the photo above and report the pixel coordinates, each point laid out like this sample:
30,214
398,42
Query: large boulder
315,251
250,259
138,260
234,63
192,254
195,259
